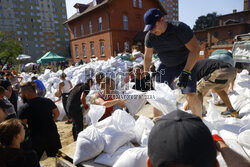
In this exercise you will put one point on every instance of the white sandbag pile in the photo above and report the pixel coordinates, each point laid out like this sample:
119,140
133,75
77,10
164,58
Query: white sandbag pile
240,99
136,100
133,157
110,159
90,142
119,133
163,98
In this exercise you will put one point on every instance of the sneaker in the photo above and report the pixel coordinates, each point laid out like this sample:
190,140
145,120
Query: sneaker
230,112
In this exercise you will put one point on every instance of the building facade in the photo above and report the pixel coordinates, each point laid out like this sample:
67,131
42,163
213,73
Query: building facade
37,24
103,28
171,7
222,36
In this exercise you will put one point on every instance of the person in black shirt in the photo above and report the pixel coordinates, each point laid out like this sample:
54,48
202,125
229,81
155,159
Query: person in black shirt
12,134
76,98
40,114
142,83
9,93
217,75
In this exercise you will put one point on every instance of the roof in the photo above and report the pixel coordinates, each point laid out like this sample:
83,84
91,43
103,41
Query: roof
223,26
104,2
244,11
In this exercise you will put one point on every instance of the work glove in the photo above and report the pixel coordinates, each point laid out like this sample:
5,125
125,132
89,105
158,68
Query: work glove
183,79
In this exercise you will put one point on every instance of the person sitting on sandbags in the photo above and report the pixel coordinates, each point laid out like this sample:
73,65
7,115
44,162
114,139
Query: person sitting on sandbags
107,97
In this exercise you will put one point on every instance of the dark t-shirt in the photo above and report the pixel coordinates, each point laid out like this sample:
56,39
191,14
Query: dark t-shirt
74,99
12,157
207,66
38,111
170,45
142,85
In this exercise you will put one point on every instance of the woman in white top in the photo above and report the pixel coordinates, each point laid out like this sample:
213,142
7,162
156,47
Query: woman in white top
64,89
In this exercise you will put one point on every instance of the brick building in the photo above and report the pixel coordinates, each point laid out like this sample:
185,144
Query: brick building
103,28
222,36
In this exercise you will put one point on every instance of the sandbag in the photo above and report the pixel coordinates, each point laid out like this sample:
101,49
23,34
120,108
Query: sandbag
89,144
212,113
144,137
162,98
120,132
244,139
110,159
133,157
136,100
229,131
141,124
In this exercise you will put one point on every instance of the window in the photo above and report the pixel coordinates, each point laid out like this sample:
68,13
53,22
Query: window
77,56
125,22
90,27
102,48
140,3
83,50
92,49
82,31
134,3
126,46
100,23
75,32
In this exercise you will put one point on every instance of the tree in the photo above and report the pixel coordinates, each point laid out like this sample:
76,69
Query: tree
204,22
9,48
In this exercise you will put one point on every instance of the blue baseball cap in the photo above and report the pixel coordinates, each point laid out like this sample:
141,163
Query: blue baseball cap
151,17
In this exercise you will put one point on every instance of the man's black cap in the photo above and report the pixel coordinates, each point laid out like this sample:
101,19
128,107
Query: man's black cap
3,105
181,138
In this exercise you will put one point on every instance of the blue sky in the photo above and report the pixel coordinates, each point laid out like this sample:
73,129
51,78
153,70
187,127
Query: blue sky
189,10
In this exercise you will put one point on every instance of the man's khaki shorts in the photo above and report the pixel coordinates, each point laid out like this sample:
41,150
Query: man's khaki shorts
218,80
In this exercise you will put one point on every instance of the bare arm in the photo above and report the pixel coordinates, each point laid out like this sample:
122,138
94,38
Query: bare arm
83,99
55,113
59,98
107,104
60,87
70,85
231,158
193,56
147,59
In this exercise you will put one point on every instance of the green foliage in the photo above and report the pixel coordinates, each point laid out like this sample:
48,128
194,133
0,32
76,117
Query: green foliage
204,22
9,48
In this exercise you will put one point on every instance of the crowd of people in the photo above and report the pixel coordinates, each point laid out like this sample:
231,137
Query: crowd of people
176,139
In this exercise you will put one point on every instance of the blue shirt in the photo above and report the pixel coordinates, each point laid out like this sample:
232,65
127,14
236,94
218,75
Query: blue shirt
39,84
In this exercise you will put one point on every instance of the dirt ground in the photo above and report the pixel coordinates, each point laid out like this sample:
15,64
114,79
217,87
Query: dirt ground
65,130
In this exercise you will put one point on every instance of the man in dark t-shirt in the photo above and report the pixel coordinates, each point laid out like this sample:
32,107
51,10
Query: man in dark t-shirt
178,50
217,75
77,97
40,115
